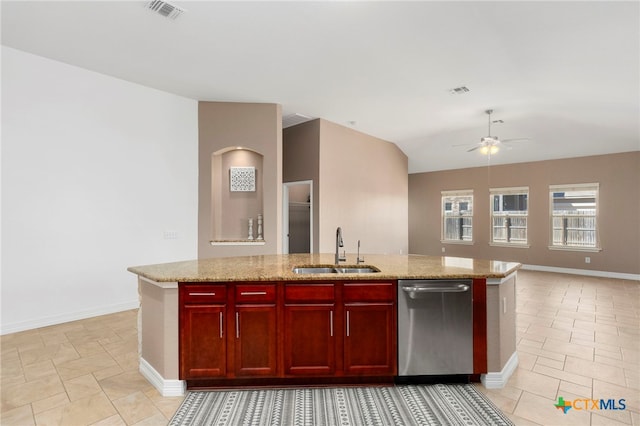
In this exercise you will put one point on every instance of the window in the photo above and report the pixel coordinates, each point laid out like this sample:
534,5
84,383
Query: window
457,216
509,213
574,211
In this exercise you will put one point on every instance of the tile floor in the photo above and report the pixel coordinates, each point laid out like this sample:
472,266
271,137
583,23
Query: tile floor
578,337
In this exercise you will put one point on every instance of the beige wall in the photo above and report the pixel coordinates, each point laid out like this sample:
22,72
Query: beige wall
501,323
232,210
257,127
301,155
360,184
159,327
619,210
364,190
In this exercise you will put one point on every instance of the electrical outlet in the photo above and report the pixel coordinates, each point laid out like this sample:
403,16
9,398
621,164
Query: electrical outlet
587,259
443,249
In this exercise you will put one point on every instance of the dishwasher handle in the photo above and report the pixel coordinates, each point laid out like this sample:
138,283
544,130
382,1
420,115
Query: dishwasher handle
425,288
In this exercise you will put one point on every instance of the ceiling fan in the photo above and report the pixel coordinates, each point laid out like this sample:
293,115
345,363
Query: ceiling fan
490,145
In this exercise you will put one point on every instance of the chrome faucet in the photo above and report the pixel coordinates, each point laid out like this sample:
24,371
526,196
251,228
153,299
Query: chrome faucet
358,259
339,243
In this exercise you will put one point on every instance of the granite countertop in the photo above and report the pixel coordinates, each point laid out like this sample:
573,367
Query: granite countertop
279,268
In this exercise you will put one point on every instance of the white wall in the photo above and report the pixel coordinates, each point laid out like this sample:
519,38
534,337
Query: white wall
94,171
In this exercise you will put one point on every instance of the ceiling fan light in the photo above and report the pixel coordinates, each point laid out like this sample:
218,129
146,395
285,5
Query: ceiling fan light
489,149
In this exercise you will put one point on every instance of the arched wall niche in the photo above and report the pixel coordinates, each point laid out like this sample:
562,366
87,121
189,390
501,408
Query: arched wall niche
233,202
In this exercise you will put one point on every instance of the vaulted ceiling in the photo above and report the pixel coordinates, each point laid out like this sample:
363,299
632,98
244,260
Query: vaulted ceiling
563,74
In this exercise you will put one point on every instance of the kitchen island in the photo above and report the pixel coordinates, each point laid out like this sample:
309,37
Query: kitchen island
277,297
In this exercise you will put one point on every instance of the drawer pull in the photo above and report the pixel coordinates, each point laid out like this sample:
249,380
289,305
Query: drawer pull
202,294
221,326
253,293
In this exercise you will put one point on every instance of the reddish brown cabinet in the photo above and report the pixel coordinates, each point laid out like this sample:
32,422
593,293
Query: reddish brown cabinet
255,330
309,337
203,348
281,333
370,328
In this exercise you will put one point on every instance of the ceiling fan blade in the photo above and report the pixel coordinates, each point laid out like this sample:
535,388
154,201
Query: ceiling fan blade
473,149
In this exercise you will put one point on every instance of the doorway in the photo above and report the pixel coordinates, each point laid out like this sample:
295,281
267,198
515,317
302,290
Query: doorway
297,217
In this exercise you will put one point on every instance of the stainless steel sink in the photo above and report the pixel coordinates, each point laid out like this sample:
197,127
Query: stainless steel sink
357,270
360,269
313,270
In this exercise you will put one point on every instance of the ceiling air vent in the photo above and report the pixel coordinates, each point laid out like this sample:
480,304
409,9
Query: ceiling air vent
459,90
165,9
293,119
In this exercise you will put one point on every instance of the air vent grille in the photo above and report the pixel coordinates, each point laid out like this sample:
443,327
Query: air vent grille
293,119
459,90
165,9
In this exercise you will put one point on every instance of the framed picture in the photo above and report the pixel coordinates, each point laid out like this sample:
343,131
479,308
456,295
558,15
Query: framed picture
242,179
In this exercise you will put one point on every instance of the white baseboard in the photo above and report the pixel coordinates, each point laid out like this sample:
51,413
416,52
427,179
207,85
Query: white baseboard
165,387
500,379
587,272
67,317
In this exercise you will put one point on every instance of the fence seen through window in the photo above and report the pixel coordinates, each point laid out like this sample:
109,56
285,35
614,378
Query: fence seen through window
509,215
574,216
457,216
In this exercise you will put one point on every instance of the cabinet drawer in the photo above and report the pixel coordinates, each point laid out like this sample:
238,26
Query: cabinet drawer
316,293
203,293
252,293
369,292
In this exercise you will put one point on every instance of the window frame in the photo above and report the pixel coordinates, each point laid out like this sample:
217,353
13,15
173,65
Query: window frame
520,190
457,194
596,216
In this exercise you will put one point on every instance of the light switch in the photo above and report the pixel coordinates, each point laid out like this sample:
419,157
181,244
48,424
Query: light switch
170,235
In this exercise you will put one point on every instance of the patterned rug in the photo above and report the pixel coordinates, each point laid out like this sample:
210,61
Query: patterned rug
408,405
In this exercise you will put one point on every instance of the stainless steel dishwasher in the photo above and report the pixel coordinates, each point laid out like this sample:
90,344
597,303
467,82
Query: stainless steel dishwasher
435,327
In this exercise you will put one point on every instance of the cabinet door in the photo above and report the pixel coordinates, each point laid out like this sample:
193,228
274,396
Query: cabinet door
255,340
369,343
202,341
309,341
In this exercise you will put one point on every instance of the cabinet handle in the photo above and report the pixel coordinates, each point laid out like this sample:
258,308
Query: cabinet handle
347,323
221,328
237,325
253,293
331,322
202,294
